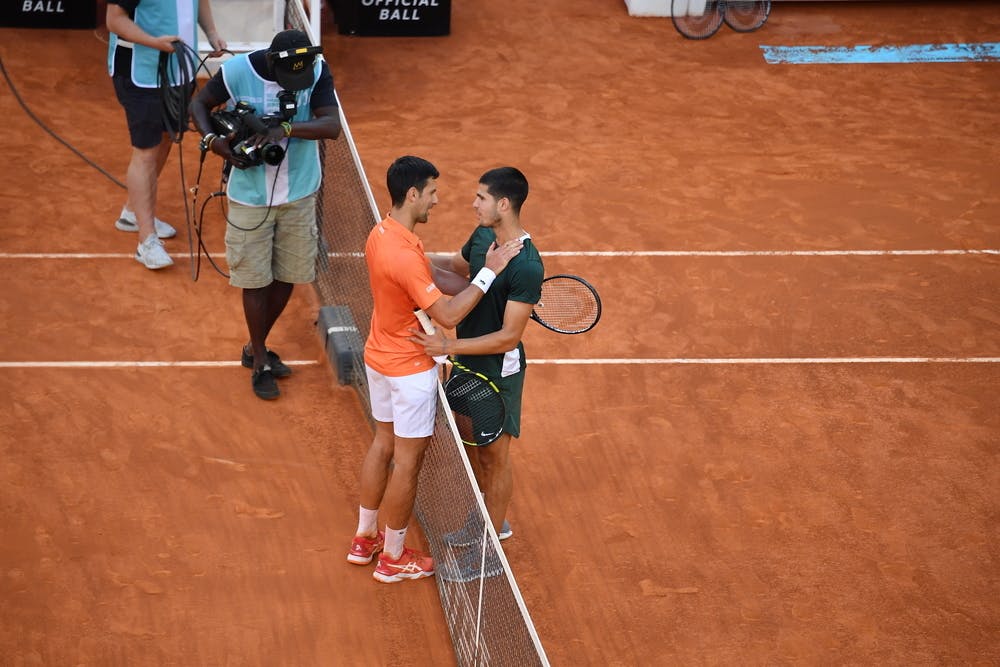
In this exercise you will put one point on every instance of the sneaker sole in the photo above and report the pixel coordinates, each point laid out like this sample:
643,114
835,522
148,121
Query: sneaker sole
455,540
358,560
267,396
403,576
121,224
467,565
466,578
472,574
460,541
281,371
154,267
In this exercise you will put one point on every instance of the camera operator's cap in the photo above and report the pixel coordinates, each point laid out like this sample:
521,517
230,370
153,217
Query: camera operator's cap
291,57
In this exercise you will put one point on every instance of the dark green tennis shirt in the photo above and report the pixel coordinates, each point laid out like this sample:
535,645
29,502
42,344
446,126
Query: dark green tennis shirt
520,281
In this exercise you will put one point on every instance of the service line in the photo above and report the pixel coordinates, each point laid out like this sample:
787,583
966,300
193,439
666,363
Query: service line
772,360
597,253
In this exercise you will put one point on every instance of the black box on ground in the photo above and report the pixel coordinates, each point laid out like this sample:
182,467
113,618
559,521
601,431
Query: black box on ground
341,340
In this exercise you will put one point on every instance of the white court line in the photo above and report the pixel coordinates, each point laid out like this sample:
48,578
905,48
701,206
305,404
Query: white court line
775,360
762,361
591,253
137,364
762,253
85,255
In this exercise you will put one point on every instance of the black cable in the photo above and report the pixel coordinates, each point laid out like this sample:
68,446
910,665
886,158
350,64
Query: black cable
55,136
176,94
171,109
194,230
175,114
175,78
270,204
201,243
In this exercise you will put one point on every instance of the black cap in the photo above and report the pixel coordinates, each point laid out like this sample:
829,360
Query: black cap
291,58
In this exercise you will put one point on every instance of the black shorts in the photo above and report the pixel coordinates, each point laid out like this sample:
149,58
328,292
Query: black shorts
144,110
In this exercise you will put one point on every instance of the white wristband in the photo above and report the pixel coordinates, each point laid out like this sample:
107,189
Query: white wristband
484,279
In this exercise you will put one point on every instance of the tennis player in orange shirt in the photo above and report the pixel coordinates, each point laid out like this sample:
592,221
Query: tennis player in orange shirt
402,378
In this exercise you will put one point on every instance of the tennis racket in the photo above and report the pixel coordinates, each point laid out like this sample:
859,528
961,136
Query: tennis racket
697,19
477,405
746,15
569,305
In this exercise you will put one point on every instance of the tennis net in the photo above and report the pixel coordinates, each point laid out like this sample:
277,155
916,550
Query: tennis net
487,619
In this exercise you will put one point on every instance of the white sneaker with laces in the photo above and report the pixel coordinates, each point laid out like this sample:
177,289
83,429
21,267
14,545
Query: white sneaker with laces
126,222
152,254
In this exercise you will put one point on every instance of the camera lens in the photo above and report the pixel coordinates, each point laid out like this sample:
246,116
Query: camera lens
272,154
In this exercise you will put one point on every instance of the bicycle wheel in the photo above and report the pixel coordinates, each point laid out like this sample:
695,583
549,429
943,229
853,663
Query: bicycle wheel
697,19
747,15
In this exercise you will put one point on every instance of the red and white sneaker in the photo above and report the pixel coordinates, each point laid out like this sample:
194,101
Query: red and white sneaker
363,549
412,564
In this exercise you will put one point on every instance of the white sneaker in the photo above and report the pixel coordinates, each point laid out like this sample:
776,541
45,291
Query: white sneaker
126,222
152,254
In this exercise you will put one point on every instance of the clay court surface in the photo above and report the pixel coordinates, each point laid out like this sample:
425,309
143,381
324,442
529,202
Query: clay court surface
739,512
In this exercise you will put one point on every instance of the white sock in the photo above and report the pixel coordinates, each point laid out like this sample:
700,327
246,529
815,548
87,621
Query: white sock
367,521
394,540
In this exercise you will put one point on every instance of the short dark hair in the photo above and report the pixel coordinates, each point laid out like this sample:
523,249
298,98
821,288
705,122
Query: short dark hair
408,172
506,182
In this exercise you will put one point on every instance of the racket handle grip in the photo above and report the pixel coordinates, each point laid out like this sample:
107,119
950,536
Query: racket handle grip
428,327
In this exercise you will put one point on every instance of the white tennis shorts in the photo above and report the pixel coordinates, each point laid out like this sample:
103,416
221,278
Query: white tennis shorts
409,402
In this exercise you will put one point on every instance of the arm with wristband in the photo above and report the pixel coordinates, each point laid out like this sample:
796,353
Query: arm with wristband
449,312
516,313
457,267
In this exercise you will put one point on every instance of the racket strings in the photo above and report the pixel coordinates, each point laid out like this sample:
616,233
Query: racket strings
697,19
477,406
467,391
746,15
568,305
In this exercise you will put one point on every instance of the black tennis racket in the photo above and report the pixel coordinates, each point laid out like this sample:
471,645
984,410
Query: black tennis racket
477,405
746,15
569,305
697,19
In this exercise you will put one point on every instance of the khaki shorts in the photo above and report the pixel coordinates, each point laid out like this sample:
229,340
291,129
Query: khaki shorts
281,246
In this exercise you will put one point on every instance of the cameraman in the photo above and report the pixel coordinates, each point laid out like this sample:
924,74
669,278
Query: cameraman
140,31
271,235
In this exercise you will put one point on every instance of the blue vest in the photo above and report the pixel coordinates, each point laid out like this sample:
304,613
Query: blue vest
158,17
299,173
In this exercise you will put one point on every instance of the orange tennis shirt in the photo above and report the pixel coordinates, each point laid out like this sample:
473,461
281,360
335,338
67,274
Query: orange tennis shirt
400,278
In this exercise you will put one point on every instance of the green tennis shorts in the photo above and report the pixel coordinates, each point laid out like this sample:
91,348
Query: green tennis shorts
511,389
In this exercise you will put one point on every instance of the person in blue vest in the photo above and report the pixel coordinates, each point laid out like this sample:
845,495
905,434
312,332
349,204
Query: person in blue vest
140,31
284,98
